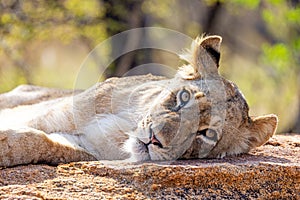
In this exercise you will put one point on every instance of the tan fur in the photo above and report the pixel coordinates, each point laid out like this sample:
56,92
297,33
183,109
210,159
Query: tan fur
197,114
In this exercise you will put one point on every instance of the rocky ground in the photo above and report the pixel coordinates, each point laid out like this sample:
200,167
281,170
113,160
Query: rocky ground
268,172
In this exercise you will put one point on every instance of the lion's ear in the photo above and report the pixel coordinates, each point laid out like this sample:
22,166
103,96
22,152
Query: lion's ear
253,134
203,58
261,130
212,46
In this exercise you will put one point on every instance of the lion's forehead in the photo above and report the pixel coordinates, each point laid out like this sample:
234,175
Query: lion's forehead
218,86
230,101
219,95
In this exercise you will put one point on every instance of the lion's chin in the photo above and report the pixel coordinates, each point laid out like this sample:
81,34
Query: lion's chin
138,150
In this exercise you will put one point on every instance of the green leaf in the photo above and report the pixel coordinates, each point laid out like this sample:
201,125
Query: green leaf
293,16
278,56
250,4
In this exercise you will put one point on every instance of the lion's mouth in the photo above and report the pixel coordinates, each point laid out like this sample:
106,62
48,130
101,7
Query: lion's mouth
153,140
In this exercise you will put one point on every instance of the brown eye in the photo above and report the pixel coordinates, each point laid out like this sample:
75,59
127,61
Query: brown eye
184,96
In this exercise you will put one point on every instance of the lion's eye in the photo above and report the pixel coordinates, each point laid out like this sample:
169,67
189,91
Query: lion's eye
184,96
209,134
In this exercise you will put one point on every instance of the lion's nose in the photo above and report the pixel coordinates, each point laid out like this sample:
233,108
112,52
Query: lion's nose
154,140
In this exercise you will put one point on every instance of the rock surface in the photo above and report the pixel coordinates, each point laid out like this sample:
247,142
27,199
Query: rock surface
268,172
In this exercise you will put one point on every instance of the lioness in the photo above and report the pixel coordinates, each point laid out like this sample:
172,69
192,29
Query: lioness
196,114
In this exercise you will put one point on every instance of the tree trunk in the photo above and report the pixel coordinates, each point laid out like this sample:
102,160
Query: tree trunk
212,16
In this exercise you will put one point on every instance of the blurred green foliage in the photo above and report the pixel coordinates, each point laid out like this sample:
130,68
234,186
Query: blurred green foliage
25,23
283,57
270,82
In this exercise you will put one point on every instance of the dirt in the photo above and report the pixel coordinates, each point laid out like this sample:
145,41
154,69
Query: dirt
268,172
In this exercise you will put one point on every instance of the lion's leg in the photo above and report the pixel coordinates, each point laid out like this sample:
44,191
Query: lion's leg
24,146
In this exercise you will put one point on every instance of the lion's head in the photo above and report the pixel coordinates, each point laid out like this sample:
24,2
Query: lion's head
198,113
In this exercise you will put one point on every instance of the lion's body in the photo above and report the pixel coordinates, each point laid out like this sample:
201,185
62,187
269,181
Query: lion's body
86,121
136,118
